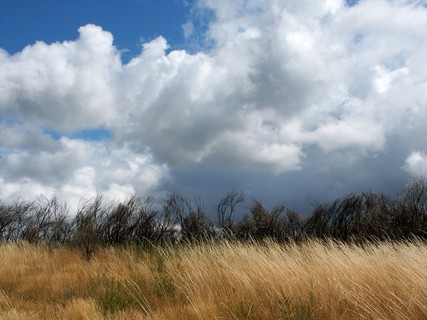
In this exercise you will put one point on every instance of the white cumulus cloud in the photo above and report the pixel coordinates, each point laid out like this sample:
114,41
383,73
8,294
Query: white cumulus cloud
65,86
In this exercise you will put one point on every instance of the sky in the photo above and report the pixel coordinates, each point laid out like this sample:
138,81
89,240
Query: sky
294,101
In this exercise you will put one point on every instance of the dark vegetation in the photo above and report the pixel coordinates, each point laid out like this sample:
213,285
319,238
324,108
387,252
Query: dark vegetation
138,221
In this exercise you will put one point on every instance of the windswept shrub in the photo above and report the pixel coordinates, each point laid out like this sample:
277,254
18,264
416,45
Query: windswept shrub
7,218
145,226
294,225
86,226
278,224
116,225
190,216
355,217
14,220
225,214
410,216
377,217
48,222
134,221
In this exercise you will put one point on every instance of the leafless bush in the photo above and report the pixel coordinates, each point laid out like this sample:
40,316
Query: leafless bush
225,214
86,226
48,222
190,216
145,227
355,217
134,221
7,218
278,224
14,219
410,216
294,225
116,225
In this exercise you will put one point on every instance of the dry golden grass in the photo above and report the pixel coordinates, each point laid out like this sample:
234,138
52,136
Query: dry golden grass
217,281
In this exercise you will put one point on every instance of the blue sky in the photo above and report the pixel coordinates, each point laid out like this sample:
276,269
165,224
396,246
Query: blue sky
24,22
286,101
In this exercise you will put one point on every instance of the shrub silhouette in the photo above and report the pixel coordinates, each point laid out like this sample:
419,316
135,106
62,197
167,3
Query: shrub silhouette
410,212
294,225
14,220
145,228
48,222
86,226
116,226
353,218
190,217
365,216
225,214
279,224
7,220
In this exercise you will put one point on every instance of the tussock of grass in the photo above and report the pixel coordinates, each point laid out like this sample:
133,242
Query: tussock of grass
315,280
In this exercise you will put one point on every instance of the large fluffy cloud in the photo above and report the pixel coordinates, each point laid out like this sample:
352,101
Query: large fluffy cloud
279,79
278,83
65,86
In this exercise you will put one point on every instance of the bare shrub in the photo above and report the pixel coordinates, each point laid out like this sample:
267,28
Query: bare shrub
355,217
86,226
48,222
190,216
145,227
263,224
116,224
225,214
14,219
7,219
294,225
133,221
410,216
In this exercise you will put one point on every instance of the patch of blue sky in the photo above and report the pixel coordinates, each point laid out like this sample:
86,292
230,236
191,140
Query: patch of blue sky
55,135
197,40
351,3
131,22
99,134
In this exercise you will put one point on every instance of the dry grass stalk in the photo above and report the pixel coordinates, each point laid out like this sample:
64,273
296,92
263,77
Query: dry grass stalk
315,280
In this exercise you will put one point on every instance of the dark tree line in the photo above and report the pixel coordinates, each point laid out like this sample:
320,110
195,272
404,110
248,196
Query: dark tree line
178,219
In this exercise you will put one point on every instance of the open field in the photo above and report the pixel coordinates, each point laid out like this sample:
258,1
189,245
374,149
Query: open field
216,281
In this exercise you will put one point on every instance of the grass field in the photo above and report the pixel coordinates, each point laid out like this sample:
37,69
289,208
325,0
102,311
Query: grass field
314,280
